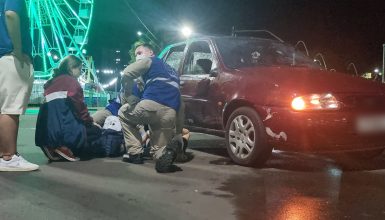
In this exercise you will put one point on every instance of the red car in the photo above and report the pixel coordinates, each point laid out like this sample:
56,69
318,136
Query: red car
263,94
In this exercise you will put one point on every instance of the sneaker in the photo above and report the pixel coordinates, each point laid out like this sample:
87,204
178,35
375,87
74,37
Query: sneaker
51,154
66,153
135,159
17,163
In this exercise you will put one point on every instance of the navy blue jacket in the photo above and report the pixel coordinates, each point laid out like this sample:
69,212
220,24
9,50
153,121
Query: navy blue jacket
63,118
57,126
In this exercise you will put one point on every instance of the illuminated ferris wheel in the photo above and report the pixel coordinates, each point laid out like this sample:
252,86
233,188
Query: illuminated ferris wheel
58,28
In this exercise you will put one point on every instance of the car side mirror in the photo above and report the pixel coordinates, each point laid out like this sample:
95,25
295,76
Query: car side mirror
214,72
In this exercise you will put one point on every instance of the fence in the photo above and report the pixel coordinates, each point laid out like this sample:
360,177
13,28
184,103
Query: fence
92,98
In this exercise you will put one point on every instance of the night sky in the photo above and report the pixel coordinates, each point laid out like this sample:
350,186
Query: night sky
343,31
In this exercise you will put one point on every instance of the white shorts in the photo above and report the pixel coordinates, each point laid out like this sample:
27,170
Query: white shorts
15,85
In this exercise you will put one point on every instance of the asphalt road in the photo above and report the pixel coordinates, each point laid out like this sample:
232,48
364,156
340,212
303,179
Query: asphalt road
290,186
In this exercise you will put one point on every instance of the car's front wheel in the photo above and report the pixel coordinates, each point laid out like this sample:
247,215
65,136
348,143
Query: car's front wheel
246,138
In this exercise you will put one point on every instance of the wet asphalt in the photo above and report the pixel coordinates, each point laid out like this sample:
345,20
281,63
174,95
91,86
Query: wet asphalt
209,186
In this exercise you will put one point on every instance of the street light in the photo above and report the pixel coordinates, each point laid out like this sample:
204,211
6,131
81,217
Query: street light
322,58
304,46
317,61
112,82
354,68
186,31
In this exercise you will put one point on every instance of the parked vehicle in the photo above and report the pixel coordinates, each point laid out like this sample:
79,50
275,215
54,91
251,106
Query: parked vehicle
262,94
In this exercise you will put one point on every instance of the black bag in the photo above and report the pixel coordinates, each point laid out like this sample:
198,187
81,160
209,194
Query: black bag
109,144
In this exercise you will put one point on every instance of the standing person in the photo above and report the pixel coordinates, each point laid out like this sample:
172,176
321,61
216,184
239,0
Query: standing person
158,106
16,80
64,121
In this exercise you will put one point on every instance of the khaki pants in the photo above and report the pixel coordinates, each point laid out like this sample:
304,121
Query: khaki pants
15,85
100,116
161,120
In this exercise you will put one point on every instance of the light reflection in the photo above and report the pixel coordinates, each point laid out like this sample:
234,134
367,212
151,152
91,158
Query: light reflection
301,207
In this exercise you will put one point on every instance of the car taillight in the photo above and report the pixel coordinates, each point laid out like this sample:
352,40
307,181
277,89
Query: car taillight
315,102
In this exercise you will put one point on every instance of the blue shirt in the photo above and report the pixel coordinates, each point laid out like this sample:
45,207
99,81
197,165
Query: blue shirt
19,7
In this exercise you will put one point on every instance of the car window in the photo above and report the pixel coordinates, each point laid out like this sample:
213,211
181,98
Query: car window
175,56
199,59
246,52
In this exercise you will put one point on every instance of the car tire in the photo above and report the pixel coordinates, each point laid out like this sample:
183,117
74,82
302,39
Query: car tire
246,138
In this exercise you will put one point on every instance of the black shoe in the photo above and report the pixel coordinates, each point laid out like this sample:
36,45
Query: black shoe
164,163
135,159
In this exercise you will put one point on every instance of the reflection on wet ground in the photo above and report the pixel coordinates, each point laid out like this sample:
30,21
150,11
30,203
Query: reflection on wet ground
303,195
305,186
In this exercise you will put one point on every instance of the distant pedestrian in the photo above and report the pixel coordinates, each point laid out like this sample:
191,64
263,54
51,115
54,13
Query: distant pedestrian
16,80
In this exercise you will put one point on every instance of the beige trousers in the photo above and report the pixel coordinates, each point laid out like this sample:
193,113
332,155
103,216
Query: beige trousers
16,83
161,120
100,116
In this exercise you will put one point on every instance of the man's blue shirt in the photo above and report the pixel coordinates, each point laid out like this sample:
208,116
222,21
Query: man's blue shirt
19,7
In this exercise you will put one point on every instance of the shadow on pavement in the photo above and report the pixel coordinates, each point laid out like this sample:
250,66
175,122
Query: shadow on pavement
294,161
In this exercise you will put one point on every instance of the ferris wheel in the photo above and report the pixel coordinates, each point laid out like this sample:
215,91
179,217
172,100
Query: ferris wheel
59,28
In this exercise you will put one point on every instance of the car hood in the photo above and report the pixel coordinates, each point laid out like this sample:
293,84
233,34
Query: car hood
300,80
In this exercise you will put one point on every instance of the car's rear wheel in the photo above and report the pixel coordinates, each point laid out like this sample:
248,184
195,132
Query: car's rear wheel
246,138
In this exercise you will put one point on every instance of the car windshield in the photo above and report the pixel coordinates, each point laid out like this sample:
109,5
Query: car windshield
241,52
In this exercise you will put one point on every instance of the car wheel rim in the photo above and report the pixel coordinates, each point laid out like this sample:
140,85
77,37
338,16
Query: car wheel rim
241,136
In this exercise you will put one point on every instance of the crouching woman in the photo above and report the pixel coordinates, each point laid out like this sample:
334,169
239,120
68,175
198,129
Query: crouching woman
63,120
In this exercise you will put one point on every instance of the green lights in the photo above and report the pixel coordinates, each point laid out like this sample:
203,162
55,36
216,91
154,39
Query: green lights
58,28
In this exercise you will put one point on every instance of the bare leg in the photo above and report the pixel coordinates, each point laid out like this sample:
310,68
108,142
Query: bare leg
9,126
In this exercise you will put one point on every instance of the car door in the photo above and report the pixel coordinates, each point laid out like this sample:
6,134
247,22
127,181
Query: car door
196,86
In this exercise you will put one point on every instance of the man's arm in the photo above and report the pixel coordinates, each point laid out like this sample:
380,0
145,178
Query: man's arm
137,69
13,26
